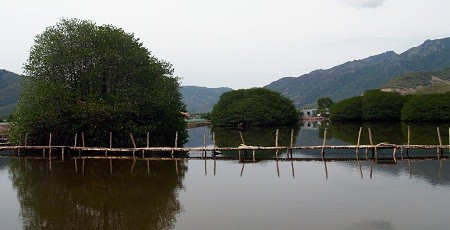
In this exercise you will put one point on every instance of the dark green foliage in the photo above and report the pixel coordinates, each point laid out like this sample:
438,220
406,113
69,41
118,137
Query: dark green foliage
378,105
374,105
324,105
349,109
429,107
9,91
255,107
96,79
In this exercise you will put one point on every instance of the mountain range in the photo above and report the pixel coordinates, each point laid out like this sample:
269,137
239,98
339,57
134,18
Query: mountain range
201,99
9,91
354,77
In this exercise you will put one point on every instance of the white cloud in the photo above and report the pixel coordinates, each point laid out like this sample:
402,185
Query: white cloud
363,3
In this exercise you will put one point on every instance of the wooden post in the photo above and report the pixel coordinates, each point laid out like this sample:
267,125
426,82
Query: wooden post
204,144
239,152
324,142
148,139
110,140
372,146
439,150
132,140
276,137
409,141
409,135
75,142
62,153
292,142
49,147
214,143
82,139
176,144
18,150
357,144
393,154
242,138
134,145
254,153
276,141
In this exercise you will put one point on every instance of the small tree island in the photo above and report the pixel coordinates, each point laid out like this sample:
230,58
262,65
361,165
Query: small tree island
81,77
254,107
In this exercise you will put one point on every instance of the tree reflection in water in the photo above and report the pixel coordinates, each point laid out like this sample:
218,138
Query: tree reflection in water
131,197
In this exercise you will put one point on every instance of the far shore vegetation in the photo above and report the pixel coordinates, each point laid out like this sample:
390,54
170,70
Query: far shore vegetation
376,105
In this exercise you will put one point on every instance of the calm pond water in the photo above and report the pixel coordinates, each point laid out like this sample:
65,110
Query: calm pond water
199,194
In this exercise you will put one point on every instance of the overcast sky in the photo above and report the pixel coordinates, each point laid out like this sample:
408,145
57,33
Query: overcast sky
238,43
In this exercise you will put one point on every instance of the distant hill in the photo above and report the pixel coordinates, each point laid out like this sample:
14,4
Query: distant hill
354,77
9,91
201,99
420,82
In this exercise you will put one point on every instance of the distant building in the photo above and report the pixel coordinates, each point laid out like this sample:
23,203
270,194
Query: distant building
308,113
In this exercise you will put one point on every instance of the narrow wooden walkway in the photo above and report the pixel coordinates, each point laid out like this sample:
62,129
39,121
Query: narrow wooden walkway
59,152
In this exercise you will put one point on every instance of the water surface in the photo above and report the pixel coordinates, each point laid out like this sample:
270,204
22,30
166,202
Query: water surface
199,194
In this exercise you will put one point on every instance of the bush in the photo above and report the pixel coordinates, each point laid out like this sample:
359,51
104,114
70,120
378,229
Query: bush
255,107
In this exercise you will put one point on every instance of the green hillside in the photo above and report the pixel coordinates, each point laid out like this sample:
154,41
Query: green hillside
420,82
201,99
354,77
9,91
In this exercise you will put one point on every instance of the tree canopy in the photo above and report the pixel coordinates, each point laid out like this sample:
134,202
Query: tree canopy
81,77
324,105
255,107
